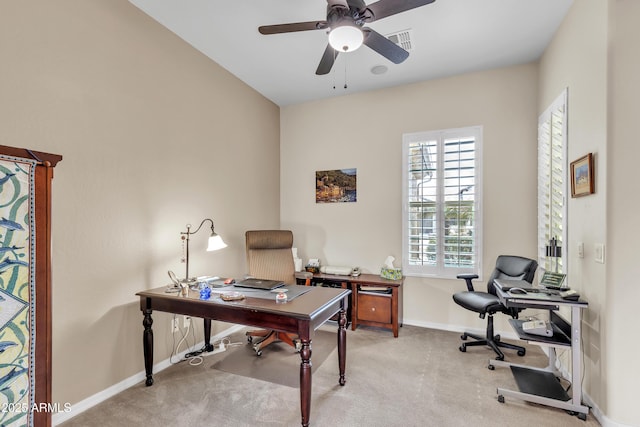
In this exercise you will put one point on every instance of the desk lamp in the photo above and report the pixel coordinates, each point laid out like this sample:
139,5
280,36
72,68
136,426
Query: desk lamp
215,242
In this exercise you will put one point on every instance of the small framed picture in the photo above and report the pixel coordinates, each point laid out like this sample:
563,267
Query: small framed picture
336,186
582,176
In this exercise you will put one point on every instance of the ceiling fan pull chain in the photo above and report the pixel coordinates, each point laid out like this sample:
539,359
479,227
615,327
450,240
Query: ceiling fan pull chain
345,72
335,56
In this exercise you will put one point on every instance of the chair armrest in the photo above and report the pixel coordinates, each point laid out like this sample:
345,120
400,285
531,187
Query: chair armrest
468,278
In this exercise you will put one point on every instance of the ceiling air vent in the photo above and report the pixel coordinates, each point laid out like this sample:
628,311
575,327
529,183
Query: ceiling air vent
402,39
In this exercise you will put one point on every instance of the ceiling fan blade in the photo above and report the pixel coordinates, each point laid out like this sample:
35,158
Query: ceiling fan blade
328,58
384,46
342,3
291,28
357,4
383,8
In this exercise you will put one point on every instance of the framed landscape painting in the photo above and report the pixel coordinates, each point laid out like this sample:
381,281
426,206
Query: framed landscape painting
336,186
582,176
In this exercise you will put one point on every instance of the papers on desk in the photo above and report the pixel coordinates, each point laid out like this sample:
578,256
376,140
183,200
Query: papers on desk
292,291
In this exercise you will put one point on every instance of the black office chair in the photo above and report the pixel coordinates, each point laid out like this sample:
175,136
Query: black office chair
507,267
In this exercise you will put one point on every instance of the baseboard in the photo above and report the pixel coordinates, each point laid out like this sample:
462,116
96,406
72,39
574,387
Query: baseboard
105,394
598,415
457,328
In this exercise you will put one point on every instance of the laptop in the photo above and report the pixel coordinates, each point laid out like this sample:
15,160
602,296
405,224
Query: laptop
259,284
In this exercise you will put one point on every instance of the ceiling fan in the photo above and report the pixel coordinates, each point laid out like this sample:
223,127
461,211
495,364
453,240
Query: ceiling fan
345,24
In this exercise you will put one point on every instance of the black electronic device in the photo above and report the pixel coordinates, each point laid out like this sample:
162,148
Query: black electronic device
570,295
259,284
537,327
552,280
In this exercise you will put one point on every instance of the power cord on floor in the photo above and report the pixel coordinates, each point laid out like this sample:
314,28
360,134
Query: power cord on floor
197,357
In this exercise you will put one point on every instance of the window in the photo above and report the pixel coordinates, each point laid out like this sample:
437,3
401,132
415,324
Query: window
552,182
441,196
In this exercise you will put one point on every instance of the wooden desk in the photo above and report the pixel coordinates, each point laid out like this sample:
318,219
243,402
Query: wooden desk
301,316
369,307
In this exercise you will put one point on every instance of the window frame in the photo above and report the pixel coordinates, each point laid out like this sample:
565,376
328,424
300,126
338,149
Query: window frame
439,270
545,182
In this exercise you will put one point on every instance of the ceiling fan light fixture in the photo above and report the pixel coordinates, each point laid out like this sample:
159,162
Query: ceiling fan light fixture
346,38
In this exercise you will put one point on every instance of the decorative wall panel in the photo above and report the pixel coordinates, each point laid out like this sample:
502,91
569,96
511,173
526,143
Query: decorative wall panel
17,291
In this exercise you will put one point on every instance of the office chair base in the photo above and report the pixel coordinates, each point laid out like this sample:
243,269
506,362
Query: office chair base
270,336
491,341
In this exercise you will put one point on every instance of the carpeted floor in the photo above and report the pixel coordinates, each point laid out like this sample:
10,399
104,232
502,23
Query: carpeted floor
418,379
278,364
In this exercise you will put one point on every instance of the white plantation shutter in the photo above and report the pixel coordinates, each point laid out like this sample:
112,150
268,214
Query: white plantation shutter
552,181
442,220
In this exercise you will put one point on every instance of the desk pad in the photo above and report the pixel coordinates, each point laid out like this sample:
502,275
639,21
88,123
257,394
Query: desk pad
292,291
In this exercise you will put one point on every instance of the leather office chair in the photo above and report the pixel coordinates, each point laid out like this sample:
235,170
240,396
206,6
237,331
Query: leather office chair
269,256
487,303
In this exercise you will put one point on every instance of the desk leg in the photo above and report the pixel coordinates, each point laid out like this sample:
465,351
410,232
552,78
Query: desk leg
147,345
305,380
342,345
207,335
354,306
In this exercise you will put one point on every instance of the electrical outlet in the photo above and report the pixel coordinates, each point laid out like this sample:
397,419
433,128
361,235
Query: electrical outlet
580,250
186,321
174,325
599,253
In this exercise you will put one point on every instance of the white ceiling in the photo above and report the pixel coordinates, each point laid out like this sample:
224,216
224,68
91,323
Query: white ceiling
449,37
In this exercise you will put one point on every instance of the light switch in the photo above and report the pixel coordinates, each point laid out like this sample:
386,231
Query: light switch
580,250
599,253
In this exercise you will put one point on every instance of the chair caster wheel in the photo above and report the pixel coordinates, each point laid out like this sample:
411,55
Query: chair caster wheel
582,416
496,338
491,368
463,348
501,398
463,337
259,353
521,352
249,339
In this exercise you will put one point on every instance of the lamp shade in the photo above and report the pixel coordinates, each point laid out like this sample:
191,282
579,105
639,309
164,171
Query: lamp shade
346,38
215,243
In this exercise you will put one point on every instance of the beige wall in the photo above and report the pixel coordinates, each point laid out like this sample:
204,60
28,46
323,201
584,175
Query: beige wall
594,54
364,131
623,233
577,60
154,136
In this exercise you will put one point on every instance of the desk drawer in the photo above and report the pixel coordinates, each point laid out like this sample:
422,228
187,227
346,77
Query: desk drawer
374,308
